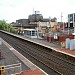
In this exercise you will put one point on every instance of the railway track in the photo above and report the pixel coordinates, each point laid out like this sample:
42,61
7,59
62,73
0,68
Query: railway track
49,60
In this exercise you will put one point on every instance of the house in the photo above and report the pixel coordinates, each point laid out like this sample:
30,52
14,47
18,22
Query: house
63,26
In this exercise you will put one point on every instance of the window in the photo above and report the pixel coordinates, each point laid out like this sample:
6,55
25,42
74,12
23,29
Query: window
33,33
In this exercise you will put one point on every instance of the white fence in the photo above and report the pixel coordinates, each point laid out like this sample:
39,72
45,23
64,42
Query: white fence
13,69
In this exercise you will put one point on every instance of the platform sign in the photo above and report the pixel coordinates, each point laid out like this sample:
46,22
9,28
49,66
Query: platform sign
55,36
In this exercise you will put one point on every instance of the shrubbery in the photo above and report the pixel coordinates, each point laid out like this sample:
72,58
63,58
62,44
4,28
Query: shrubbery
6,26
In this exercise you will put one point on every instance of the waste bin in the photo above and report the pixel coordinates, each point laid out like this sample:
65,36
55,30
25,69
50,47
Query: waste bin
2,70
72,44
67,43
63,44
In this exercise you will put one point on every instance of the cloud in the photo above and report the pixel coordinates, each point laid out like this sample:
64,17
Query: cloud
11,3
16,9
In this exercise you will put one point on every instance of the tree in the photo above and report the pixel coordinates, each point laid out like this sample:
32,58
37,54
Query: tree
6,26
54,19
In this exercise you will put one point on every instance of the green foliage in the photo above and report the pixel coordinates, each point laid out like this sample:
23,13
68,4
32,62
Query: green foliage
6,26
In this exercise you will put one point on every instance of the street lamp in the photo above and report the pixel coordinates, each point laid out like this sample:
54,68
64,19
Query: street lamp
21,27
36,22
37,32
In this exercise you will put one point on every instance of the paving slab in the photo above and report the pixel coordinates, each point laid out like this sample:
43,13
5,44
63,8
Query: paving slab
11,56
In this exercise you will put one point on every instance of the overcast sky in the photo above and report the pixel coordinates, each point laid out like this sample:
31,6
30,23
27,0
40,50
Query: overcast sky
11,10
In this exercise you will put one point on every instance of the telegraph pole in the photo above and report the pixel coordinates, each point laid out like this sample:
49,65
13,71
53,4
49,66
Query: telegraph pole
63,22
35,16
61,16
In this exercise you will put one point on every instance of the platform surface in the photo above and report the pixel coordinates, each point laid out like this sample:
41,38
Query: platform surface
53,46
45,43
10,56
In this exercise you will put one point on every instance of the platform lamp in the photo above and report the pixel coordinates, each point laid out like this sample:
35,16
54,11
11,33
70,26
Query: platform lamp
21,27
49,22
36,21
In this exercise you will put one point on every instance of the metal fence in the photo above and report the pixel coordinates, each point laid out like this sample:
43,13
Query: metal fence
13,69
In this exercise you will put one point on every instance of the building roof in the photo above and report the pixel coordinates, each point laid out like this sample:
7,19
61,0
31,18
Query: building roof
22,19
31,72
36,14
59,23
45,20
30,29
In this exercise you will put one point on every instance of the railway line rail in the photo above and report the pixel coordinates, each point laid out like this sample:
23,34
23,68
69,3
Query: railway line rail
52,62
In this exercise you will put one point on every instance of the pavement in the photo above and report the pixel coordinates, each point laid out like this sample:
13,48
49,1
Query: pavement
52,45
14,62
8,59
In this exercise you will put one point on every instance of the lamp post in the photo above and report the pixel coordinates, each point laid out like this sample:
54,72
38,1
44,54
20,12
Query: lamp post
21,27
37,28
49,23
62,18
36,22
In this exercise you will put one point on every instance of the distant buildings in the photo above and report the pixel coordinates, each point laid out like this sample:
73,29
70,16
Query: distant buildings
23,22
35,17
71,19
36,21
13,24
32,20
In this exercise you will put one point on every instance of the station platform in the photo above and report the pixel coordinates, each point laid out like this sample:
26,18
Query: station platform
53,46
16,63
